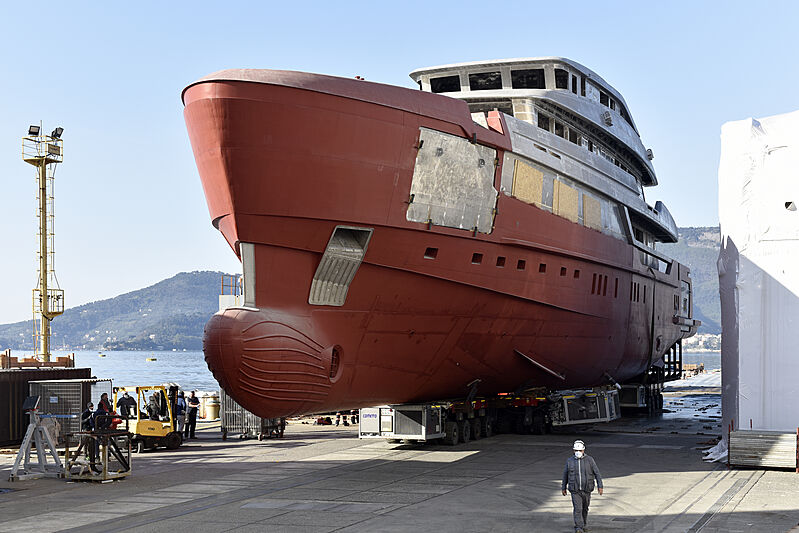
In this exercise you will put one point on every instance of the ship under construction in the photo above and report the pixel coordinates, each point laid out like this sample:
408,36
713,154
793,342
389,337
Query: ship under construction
484,235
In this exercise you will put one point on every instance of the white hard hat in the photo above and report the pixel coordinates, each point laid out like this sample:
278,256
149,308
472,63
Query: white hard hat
579,445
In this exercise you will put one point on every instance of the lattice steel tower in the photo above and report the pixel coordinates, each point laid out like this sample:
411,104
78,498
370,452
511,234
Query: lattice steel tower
45,152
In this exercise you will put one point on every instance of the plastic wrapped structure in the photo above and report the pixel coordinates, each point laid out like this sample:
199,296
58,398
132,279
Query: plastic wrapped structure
759,272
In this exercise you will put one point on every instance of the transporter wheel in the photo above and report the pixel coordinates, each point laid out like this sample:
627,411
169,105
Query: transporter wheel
518,425
138,446
476,429
451,433
539,424
486,426
464,428
504,423
173,440
651,403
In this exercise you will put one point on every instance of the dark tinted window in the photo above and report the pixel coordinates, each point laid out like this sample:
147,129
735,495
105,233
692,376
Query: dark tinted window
447,84
561,79
543,122
574,84
624,114
604,99
527,79
574,136
484,81
559,130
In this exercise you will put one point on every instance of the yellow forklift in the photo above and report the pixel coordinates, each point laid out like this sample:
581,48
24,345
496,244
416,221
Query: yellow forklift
149,415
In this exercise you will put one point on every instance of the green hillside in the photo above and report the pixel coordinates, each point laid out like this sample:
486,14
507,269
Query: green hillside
698,248
170,314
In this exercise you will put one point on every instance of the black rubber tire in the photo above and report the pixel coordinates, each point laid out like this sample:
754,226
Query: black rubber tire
476,429
139,446
464,428
539,425
504,424
451,433
650,404
224,434
173,440
486,426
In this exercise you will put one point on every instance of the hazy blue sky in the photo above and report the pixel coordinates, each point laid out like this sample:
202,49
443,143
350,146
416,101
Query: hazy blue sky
130,209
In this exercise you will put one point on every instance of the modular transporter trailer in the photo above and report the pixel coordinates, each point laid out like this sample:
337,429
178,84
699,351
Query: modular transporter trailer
455,422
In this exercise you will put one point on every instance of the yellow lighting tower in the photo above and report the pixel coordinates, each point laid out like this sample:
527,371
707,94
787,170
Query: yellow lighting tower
45,152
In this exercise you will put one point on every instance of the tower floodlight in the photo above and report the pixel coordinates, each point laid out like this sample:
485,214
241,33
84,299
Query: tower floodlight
45,153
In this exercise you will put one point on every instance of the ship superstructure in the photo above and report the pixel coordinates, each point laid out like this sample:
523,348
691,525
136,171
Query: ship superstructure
488,233
575,114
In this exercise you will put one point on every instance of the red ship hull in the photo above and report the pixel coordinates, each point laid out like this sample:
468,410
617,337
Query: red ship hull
287,157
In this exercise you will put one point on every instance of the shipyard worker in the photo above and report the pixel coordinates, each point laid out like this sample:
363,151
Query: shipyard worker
578,478
101,418
180,411
152,408
87,418
105,403
126,405
192,406
87,424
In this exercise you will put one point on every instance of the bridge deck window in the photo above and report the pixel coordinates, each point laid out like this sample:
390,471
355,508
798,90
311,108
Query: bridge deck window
484,81
543,122
446,84
532,78
561,79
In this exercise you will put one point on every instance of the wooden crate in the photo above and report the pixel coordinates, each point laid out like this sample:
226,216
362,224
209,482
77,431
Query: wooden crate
764,449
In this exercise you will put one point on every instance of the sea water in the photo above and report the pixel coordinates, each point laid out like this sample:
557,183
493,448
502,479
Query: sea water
129,368
711,360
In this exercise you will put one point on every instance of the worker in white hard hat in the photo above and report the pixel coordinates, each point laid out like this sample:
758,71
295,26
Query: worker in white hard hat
578,478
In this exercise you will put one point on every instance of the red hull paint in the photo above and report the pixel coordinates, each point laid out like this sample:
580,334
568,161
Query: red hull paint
286,159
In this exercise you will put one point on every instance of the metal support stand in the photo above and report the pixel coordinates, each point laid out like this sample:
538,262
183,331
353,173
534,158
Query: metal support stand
36,435
102,455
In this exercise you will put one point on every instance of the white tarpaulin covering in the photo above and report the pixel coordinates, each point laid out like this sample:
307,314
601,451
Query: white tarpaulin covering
759,272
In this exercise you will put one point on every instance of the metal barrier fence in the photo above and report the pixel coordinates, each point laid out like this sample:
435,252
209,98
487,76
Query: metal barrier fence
235,419
68,397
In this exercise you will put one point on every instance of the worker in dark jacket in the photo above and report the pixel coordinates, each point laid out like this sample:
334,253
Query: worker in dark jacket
87,418
126,405
101,418
578,477
192,407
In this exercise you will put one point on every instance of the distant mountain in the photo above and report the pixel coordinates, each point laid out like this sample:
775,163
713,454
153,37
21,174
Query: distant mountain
698,248
170,314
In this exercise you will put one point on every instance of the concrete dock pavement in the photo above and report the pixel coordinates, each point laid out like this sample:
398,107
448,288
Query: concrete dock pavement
323,479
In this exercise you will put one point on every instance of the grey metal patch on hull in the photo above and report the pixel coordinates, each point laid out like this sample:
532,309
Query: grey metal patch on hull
344,253
453,183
